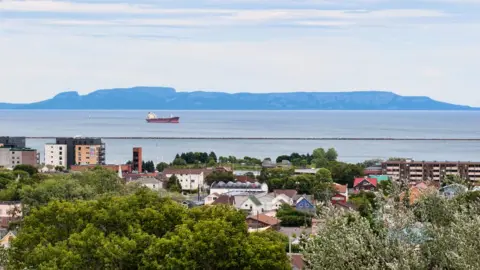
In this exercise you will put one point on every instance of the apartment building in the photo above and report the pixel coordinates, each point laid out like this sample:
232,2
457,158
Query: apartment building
88,154
11,157
430,170
93,148
56,154
13,142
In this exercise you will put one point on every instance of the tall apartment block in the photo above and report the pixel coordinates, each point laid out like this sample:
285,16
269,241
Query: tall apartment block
13,142
430,170
137,160
11,157
56,154
83,151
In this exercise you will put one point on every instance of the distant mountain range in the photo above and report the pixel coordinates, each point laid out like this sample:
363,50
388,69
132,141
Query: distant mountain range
164,98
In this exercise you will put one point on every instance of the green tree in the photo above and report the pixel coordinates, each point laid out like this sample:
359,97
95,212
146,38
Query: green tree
212,156
219,176
211,163
324,175
173,184
161,166
141,231
319,153
31,170
148,166
179,162
331,154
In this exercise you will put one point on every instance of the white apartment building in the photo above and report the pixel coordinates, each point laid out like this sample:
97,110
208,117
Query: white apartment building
189,179
56,154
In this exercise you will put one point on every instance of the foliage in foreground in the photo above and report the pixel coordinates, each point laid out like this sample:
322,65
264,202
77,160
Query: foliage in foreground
141,231
435,233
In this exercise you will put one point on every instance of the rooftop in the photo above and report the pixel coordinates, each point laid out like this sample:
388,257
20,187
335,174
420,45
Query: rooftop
237,185
262,218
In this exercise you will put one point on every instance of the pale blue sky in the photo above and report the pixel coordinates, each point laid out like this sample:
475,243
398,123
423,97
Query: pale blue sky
423,47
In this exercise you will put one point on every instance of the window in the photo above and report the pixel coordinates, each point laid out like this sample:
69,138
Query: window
18,162
61,148
61,163
79,148
153,186
61,153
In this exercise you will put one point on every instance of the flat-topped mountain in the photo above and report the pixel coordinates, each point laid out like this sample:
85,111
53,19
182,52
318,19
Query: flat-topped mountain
165,98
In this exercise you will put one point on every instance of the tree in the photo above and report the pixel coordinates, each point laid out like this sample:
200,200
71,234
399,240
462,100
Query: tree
141,231
212,156
179,162
59,168
319,153
324,175
331,154
148,166
31,170
161,166
211,163
219,176
173,184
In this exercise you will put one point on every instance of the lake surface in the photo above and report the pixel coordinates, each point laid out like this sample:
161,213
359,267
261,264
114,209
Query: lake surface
398,124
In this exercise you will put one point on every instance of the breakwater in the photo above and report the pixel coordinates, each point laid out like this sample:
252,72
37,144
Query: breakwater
269,138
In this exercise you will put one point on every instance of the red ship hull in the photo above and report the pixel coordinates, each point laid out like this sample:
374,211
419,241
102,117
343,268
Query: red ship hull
172,120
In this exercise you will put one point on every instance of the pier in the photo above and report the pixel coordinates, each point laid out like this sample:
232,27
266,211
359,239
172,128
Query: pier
269,138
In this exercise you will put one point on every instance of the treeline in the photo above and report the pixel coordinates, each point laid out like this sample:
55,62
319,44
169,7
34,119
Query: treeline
93,220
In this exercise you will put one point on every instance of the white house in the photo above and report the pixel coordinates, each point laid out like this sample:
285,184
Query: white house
260,203
55,154
238,187
189,179
149,182
211,198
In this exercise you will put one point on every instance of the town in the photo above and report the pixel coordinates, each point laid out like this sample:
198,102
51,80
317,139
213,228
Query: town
287,195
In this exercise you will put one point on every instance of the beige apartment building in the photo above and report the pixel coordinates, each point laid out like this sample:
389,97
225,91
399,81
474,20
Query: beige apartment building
88,154
430,170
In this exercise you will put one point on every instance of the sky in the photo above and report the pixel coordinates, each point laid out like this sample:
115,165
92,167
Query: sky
415,48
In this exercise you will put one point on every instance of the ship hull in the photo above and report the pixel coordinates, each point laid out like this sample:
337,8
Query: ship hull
173,120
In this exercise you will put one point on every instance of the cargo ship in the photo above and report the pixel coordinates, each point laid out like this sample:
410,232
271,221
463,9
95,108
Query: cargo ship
152,118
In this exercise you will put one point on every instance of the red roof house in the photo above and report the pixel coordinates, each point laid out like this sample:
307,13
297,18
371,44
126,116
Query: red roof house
366,184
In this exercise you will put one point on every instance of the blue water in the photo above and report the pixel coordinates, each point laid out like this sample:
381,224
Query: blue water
400,124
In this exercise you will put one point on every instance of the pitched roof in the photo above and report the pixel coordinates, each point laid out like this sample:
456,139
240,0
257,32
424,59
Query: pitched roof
148,180
372,181
255,200
262,218
183,171
297,261
224,199
244,179
380,178
346,205
340,188
288,192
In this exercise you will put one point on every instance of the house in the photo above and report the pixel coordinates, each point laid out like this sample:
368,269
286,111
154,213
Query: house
189,179
150,182
225,199
261,222
290,193
260,203
341,194
365,184
232,187
281,199
297,261
6,238
9,211
211,198
305,204
244,179
267,163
